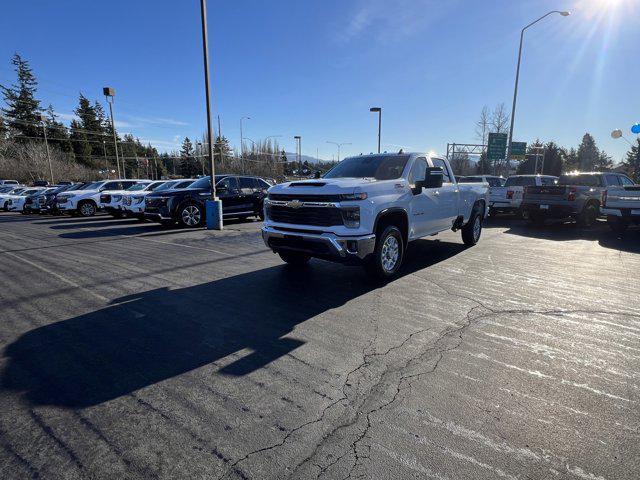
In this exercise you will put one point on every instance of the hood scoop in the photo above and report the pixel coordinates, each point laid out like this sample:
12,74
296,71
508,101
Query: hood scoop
308,184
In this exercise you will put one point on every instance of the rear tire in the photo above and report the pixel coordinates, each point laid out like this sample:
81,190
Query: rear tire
473,229
387,257
589,216
296,259
617,225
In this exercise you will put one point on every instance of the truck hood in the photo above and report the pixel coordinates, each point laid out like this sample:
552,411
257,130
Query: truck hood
322,186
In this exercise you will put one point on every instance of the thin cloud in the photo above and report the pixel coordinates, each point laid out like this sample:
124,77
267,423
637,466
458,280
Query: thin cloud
158,121
72,116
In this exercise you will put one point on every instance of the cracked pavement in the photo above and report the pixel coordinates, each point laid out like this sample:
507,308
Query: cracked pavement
134,351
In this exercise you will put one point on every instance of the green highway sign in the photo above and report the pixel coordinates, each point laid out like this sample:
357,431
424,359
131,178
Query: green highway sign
496,146
518,149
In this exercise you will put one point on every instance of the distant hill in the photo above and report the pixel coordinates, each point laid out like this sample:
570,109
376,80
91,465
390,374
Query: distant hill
291,157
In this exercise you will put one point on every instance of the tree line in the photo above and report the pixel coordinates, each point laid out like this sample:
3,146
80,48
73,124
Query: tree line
547,158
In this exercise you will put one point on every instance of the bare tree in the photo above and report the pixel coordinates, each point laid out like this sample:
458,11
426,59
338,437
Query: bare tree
499,119
483,124
461,164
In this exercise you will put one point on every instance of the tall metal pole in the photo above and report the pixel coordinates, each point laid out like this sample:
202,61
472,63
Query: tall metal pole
515,89
379,128
46,142
115,138
106,162
220,145
205,48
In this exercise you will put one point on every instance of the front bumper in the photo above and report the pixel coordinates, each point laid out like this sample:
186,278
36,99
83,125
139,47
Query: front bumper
321,245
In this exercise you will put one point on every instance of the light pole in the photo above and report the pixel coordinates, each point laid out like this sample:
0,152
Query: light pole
344,143
199,155
617,133
515,90
106,162
298,140
109,94
46,142
214,206
379,111
242,142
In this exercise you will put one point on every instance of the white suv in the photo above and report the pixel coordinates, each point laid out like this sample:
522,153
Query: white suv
111,200
85,202
133,199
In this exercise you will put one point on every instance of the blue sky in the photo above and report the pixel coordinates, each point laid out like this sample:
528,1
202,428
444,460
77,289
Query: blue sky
313,68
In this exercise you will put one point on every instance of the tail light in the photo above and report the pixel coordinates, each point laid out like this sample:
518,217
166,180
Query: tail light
510,194
572,194
603,200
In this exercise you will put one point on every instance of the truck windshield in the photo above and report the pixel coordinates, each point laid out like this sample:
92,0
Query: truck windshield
520,181
380,167
580,180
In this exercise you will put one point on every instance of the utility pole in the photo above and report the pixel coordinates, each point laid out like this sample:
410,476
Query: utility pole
106,162
340,145
298,139
46,142
379,111
110,94
214,216
242,142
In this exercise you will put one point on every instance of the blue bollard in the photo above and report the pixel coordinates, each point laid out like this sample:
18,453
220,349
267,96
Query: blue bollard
213,210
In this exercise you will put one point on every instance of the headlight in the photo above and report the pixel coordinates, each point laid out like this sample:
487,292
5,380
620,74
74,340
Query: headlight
351,216
353,196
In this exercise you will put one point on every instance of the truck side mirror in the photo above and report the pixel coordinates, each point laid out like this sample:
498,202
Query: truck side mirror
434,177
417,187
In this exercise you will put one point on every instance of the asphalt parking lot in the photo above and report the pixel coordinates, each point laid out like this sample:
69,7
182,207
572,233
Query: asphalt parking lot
135,351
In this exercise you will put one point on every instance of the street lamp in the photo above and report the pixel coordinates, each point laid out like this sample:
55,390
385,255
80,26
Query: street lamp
214,206
379,111
46,142
109,94
515,90
298,140
340,145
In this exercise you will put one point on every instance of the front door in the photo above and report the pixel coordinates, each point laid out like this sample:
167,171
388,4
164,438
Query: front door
229,193
423,204
447,198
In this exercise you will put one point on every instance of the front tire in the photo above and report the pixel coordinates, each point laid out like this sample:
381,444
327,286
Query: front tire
191,215
87,209
296,259
473,229
387,257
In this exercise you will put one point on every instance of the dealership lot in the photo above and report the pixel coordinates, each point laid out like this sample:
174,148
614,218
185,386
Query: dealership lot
130,350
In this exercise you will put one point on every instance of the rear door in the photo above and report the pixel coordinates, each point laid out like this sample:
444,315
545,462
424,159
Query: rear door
249,193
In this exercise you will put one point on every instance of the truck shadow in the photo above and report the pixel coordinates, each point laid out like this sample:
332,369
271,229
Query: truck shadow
145,338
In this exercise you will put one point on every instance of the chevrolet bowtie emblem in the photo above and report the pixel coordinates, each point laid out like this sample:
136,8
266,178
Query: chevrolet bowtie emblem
294,204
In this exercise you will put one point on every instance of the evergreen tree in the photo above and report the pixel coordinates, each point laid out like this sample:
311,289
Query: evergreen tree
571,162
22,109
588,154
80,143
57,133
484,165
604,163
188,166
632,161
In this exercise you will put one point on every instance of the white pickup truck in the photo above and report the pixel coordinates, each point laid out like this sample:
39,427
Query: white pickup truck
367,208
621,205
508,198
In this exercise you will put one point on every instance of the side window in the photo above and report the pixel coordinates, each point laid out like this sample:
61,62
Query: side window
626,181
111,186
263,185
230,183
418,171
438,162
612,179
126,185
247,185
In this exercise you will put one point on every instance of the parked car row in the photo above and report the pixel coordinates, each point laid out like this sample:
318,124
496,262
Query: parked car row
579,196
166,201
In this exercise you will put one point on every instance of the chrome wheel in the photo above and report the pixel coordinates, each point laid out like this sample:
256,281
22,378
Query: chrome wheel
191,216
477,228
87,209
390,253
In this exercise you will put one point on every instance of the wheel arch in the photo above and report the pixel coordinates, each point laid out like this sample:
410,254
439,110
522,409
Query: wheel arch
393,216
